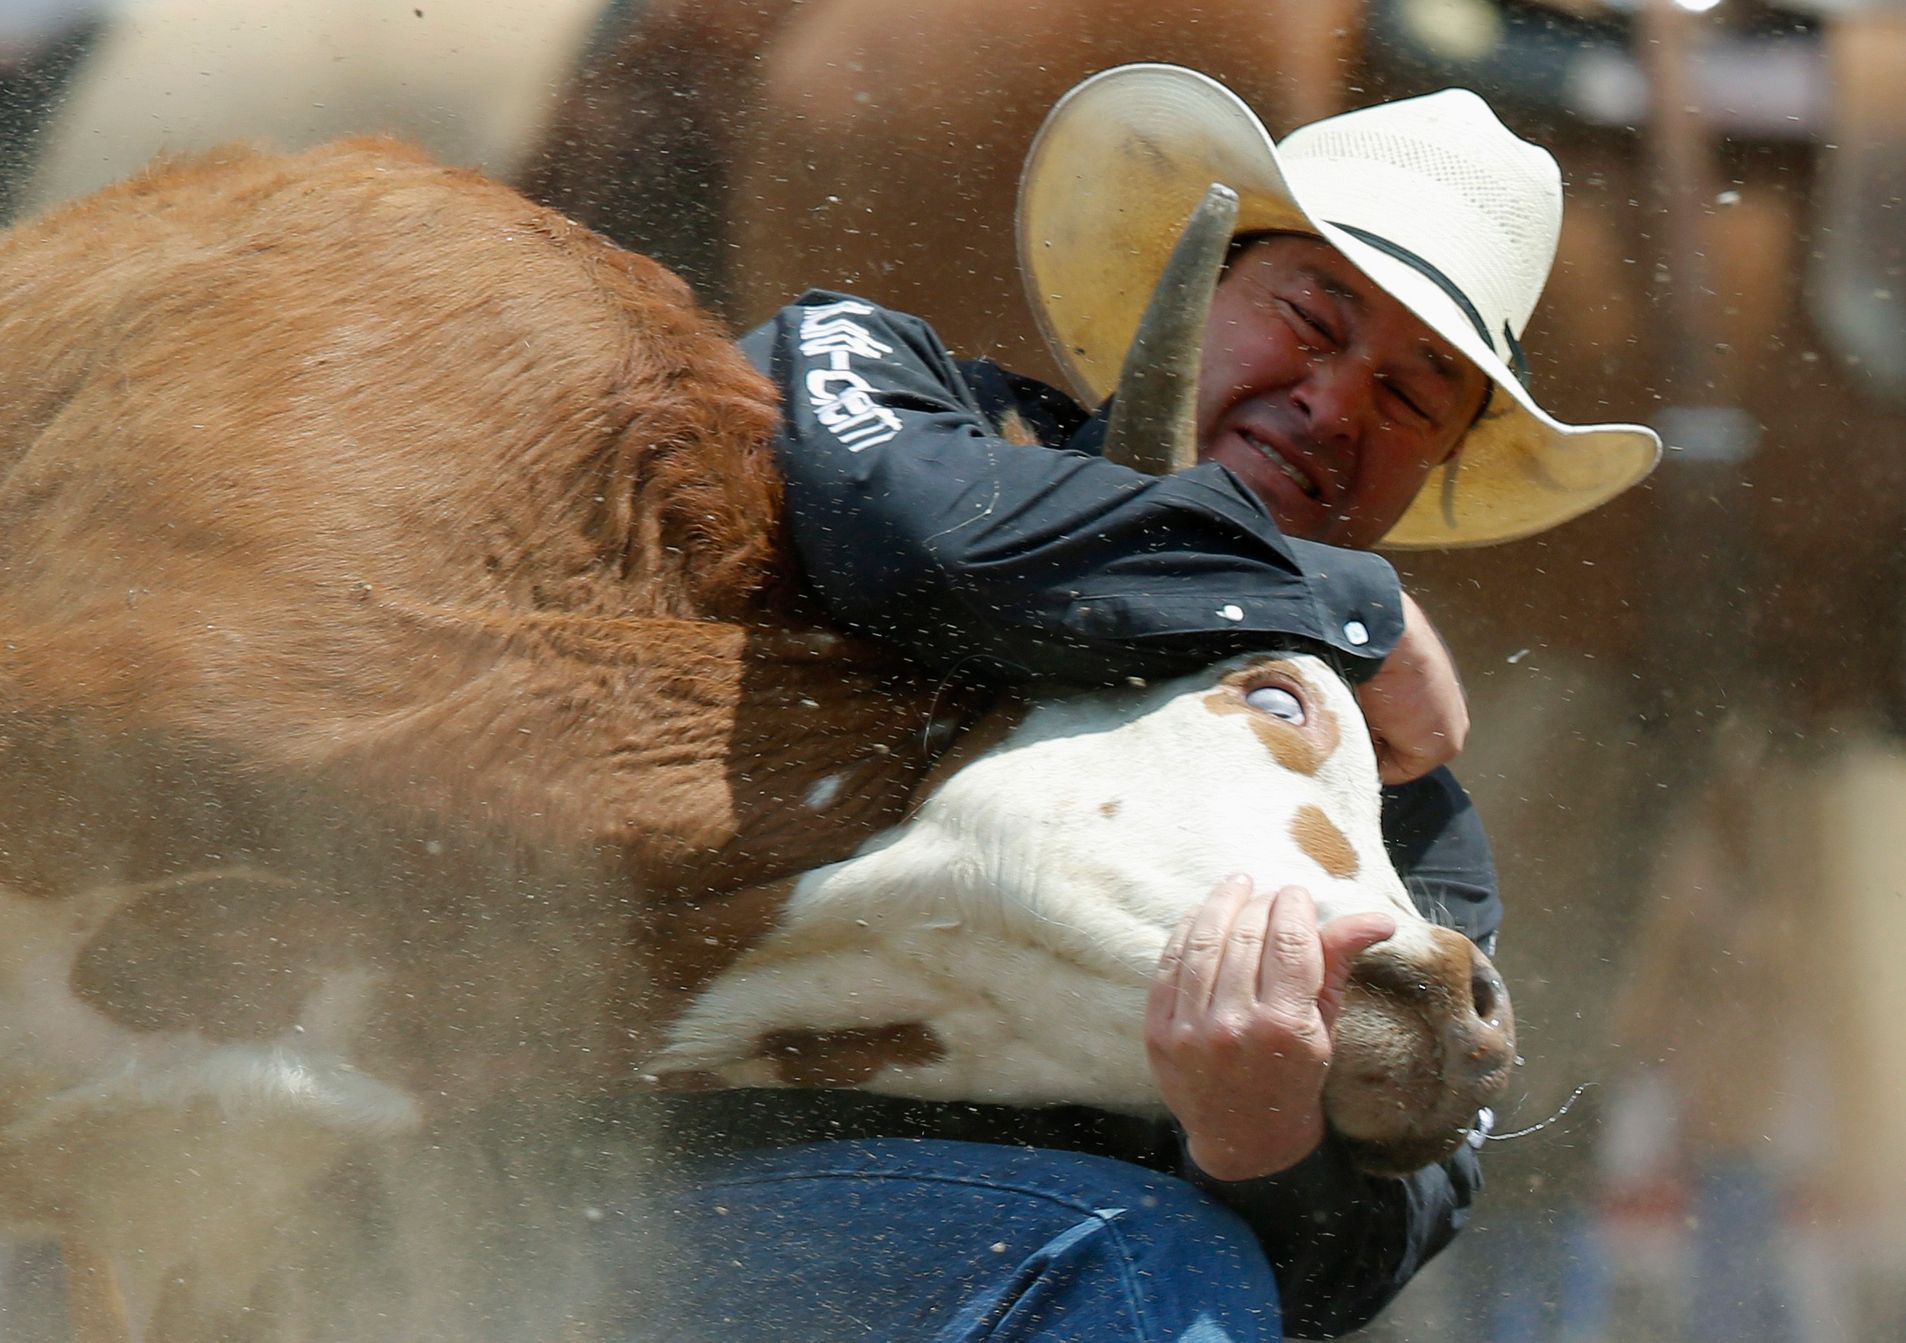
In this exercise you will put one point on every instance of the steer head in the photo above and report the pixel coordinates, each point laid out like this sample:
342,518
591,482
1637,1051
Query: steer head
1000,944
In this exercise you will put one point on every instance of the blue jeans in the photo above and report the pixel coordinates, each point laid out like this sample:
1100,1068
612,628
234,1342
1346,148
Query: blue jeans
919,1241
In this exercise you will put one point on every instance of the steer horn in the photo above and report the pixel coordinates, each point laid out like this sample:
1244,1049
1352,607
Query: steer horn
1154,411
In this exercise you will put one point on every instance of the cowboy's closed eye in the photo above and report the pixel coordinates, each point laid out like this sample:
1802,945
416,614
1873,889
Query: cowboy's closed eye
1309,323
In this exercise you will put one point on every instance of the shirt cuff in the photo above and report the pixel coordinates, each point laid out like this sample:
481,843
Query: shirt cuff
1358,603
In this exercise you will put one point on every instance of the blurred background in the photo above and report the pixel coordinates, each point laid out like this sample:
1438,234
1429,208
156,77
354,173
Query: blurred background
1689,707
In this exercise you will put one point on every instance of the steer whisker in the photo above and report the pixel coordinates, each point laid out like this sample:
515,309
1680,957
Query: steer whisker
1435,909
1537,1128
1438,911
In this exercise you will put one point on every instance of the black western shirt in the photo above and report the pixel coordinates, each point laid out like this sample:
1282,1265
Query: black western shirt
917,523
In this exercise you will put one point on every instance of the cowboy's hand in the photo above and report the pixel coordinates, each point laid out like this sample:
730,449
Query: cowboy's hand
1415,707
1238,1024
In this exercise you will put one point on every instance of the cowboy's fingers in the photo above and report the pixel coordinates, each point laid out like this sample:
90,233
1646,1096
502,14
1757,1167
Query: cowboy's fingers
1292,970
1195,953
1161,1004
1244,952
1343,941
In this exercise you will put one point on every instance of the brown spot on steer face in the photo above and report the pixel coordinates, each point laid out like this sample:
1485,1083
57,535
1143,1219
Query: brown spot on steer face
1299,747
1321,838
846,1058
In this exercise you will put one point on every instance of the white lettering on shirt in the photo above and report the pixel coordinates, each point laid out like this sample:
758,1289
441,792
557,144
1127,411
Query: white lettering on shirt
841,398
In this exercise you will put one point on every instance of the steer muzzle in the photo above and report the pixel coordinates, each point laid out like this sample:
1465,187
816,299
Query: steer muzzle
1425,1039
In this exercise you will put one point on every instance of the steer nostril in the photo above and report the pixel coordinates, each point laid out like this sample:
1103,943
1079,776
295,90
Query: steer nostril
1485,993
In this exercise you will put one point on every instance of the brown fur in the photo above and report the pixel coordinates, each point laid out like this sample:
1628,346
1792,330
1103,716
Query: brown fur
398,640
1299,747
350,460
392,572
1323,839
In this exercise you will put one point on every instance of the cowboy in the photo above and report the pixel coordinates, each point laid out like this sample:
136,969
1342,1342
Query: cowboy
1361,382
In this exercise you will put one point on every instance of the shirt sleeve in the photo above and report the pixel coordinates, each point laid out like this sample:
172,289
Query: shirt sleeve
1435,839
1343,1243
917,524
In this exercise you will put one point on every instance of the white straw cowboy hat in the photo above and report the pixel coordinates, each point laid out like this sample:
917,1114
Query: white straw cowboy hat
1433,198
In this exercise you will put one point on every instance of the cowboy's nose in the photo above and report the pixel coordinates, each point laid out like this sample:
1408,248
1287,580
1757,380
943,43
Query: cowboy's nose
1335,397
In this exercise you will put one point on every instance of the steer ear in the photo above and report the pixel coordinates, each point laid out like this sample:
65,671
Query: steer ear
1154,424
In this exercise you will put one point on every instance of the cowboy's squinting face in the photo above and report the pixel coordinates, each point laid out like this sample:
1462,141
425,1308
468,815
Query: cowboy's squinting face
1327,397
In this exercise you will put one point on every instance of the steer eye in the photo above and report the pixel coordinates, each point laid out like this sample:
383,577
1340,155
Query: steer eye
1277,702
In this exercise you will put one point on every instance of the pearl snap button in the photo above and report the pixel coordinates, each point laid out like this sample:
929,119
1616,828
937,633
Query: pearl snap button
1357,632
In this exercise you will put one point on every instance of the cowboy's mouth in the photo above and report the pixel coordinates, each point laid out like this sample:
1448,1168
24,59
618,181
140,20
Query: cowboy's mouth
1298,475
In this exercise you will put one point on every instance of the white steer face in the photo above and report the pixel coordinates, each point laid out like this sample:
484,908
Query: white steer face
1000,944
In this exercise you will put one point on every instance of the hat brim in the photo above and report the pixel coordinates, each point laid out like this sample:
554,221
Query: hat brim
1119,165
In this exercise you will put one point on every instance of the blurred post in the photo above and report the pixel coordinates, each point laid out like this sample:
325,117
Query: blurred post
1701,636
1858,296
1859,290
